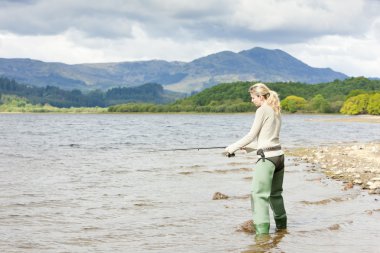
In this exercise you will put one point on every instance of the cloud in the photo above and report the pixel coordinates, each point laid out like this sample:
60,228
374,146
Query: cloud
200,19
55,17
351,55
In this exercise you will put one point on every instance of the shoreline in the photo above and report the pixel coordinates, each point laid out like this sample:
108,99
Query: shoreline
366,118
352,163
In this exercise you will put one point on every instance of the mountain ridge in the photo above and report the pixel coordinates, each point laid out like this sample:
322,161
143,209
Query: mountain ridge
267,65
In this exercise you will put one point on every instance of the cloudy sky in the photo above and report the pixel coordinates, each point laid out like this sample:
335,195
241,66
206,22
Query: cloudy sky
341,34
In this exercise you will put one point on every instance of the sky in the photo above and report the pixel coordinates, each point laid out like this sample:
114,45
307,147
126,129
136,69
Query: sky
341,34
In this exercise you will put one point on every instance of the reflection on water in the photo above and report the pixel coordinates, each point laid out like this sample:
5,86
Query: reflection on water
91,183
266,243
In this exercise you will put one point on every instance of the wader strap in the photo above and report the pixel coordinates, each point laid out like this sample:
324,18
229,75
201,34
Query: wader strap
260,151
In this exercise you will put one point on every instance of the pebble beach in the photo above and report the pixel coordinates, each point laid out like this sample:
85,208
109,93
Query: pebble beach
355,164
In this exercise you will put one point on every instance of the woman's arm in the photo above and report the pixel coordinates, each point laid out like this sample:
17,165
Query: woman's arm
248,138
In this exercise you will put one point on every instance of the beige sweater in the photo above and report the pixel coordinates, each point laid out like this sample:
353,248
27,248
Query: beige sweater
264,133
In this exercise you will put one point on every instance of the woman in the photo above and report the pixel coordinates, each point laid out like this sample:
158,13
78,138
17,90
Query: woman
269,170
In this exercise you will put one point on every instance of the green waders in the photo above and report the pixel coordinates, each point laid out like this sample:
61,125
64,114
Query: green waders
267,190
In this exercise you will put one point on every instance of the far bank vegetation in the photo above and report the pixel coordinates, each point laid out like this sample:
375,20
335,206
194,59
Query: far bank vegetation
351,96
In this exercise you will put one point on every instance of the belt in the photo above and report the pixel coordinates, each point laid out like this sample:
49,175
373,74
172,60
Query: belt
272,148
260,151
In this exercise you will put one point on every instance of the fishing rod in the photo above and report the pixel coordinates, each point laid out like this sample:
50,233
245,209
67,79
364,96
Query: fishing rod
185,149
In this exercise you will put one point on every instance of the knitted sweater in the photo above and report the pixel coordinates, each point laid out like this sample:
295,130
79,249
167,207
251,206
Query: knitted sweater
264,133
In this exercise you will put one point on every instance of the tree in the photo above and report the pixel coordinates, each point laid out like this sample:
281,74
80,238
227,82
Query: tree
354,93
319,104
373,106
355,105
293,103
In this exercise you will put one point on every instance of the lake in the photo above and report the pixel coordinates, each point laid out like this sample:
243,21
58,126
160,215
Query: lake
105,183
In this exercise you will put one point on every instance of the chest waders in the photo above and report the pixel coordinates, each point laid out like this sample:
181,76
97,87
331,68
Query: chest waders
267,182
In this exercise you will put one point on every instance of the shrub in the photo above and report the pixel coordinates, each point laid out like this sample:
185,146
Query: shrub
293,103
355,105
374,104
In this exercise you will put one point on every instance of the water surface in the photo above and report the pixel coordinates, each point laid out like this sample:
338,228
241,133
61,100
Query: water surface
98,183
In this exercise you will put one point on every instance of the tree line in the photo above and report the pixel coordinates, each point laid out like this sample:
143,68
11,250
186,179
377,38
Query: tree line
54,96
351,96
329,97
13,103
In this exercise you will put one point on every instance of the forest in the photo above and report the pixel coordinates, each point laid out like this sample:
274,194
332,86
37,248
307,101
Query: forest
357,95
351,96
54,96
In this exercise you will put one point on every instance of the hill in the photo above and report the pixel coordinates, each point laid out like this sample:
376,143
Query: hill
148,93
248,65
234,97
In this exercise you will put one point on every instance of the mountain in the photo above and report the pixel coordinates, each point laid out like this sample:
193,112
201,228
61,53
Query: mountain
248,65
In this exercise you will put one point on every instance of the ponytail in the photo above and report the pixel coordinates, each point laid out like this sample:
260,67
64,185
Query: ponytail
274,101
270,96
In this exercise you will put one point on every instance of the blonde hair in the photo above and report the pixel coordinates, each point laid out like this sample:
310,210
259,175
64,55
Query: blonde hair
271,97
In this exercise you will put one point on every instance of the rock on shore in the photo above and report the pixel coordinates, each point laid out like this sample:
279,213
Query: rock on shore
354,163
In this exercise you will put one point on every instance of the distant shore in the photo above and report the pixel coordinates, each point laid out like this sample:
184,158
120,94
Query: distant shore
344,118
353,118
353,163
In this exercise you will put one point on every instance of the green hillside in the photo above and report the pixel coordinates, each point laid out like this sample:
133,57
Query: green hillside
150,92
351,96
296,97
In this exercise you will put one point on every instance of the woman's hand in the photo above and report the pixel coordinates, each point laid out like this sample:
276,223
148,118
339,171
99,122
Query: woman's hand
244,149
228,154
